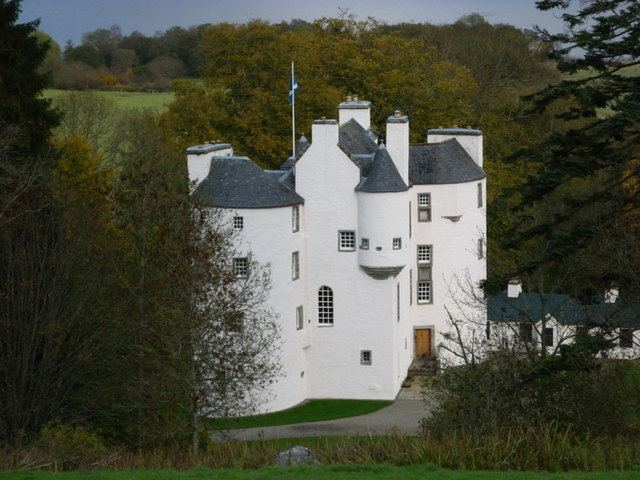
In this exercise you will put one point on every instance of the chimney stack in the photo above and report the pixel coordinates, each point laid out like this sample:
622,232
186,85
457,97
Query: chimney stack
612,294
468,138
398,143
359,110
199,158
324,131
514,288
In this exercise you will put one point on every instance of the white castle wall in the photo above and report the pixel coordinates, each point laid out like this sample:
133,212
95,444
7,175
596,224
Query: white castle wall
269,236
363,307
455,249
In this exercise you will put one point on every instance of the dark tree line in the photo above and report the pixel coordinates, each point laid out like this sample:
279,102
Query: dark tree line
109,277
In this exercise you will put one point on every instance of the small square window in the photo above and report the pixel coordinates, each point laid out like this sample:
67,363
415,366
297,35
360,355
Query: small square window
346,240
480,199
547,337
238,223
295,265
397,243
364,244
365,357
424,207
295,218
626,338
424,253
424,291
241,267
299,318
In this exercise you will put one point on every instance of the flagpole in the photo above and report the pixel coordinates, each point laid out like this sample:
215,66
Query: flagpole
293,112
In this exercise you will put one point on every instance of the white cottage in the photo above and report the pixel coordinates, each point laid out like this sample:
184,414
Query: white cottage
365,241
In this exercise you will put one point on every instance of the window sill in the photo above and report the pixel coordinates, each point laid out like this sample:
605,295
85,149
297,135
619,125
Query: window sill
325,325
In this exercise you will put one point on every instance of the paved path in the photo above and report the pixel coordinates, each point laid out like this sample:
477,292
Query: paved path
402,415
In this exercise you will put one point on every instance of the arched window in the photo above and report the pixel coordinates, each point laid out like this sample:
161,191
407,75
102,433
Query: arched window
325,306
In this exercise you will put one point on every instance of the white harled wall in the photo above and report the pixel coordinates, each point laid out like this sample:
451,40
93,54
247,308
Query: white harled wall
455,249
364,316
264,229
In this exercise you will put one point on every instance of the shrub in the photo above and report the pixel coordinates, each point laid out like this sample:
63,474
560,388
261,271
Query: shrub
508,390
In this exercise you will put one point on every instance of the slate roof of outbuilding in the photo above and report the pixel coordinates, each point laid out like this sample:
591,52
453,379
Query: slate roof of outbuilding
534,307
383,176
237,182
444,162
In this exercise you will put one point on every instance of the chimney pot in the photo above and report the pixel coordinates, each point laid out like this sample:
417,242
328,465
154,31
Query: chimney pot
455,126
469,127
440,126
397,113
323,118
349,98
355,97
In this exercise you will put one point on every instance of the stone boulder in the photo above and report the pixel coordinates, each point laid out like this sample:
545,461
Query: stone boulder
297,455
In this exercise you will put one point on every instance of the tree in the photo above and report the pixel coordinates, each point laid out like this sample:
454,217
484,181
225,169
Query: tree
87,54
104,41
579,183
89,115
234,335
21,83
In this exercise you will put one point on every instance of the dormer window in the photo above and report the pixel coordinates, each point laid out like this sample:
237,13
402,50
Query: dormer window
424,207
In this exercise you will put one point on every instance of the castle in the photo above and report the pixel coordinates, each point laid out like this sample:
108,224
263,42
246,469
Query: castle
365,241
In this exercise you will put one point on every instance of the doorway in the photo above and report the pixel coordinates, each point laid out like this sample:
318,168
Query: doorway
422,341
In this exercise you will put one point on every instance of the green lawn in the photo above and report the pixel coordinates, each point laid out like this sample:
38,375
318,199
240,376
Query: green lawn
311,411
127,100
329,472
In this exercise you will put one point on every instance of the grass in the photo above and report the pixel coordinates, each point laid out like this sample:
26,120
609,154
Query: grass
328,472
127,100
311,411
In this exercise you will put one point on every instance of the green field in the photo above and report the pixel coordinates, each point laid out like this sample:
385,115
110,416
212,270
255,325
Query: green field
127,100
311,411
329,472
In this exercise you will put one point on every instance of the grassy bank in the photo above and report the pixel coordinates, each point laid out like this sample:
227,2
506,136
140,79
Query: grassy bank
127,100
329,472
311,411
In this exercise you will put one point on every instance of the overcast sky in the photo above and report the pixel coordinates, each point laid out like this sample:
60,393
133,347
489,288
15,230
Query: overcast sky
69,19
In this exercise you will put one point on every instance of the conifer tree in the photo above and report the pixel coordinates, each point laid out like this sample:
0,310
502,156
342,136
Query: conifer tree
584,171
21,82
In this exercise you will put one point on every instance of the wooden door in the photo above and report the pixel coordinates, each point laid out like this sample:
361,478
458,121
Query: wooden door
422,341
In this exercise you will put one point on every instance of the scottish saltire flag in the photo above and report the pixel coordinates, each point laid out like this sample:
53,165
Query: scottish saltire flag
293,86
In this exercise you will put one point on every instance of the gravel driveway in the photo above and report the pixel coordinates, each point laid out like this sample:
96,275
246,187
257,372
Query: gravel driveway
402,415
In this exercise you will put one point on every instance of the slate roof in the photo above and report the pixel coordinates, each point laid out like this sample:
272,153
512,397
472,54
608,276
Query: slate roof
533,307
383,176
237,182
443,162
354,140
301,147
